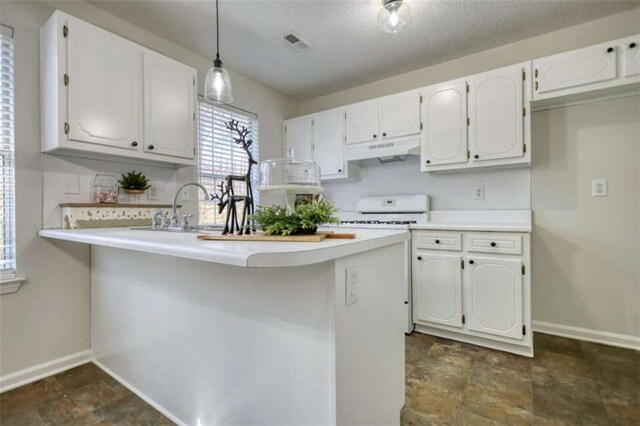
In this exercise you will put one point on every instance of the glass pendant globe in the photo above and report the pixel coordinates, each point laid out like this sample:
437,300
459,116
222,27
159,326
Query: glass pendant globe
217,86
394,16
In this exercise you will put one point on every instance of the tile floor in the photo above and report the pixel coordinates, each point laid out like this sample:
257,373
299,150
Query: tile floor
568,382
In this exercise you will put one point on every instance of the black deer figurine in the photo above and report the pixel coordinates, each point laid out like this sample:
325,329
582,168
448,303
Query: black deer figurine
227,198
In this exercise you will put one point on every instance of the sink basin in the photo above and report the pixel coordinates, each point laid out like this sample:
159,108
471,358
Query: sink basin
190,228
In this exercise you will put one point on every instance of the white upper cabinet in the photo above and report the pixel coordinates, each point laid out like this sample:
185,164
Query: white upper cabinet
494,297
169,105
576,68
631,56
437,286
400,115
328,140
362,122
496,114
298,134
444,114
104,88
104,95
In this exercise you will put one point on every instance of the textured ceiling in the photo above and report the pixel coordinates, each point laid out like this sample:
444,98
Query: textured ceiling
349,48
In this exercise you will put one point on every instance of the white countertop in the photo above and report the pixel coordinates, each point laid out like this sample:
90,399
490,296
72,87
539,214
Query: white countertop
247,254
478,220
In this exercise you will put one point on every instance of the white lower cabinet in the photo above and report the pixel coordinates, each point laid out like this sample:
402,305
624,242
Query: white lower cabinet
480,298
438,292
493,297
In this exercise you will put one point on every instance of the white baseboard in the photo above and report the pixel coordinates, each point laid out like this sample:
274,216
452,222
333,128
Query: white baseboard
40,371
144,397
578,333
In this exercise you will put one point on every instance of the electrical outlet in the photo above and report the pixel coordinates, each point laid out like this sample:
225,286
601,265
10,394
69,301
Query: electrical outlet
479,193
599,188
71,184
152,193
351,286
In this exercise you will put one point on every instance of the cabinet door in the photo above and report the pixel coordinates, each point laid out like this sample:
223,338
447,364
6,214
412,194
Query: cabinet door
444,113
169,106
104,88
298,134
576,68
496,105
362,122
328,140
438,289
400,115
631,57
493,292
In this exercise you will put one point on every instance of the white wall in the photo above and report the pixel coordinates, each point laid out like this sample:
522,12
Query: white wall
49,318
586,250
504,189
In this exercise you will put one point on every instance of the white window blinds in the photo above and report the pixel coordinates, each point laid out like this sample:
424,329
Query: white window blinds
220,156
7,163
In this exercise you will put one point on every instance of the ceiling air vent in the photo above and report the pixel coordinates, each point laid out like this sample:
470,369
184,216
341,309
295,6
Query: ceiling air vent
296,42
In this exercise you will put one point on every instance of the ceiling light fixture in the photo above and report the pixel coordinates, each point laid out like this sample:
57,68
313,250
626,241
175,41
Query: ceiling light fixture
394,16
217,87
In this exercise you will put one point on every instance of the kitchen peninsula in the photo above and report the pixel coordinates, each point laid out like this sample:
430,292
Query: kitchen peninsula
213,332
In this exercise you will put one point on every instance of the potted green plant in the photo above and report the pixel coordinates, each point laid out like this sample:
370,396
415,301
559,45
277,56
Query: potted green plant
304,219
134,183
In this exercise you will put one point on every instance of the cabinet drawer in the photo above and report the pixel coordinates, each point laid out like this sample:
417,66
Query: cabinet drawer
494,243
438,241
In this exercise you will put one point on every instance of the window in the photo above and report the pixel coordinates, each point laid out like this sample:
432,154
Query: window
220,156
7,164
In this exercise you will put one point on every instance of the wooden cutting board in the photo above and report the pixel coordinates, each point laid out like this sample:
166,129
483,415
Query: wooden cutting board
317,237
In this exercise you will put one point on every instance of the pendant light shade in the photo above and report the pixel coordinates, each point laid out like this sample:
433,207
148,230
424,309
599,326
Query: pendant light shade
217,86
394,16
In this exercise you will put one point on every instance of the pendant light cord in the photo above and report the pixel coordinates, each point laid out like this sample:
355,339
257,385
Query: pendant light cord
217,33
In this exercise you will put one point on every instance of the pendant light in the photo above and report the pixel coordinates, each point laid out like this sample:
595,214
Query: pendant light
217,86
394,16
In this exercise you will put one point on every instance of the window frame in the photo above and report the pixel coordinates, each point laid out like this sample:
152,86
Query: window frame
217,176
8,259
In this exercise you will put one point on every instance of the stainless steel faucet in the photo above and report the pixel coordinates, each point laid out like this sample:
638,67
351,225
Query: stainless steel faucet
175,221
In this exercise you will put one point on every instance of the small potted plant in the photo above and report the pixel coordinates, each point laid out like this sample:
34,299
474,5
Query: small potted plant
303,220
134,183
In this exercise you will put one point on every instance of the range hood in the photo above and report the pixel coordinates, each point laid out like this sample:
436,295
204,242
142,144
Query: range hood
385,151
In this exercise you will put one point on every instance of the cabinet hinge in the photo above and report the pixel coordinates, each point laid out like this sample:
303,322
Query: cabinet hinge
66,79
524,75
524,330
467,87
536,85
535,73
468,121
523,269
65,31
420,98
462,264
194,116
66,128
524,148
194,151
464,320
313,123
285,129
468,154
524,112
345,115
420,126
194,82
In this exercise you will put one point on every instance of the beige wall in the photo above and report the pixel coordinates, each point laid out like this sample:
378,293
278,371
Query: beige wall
598,31
586,250
49,317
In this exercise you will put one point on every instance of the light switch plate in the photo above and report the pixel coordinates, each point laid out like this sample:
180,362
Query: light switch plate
152,192
478,194
351,286
185,195
599,188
